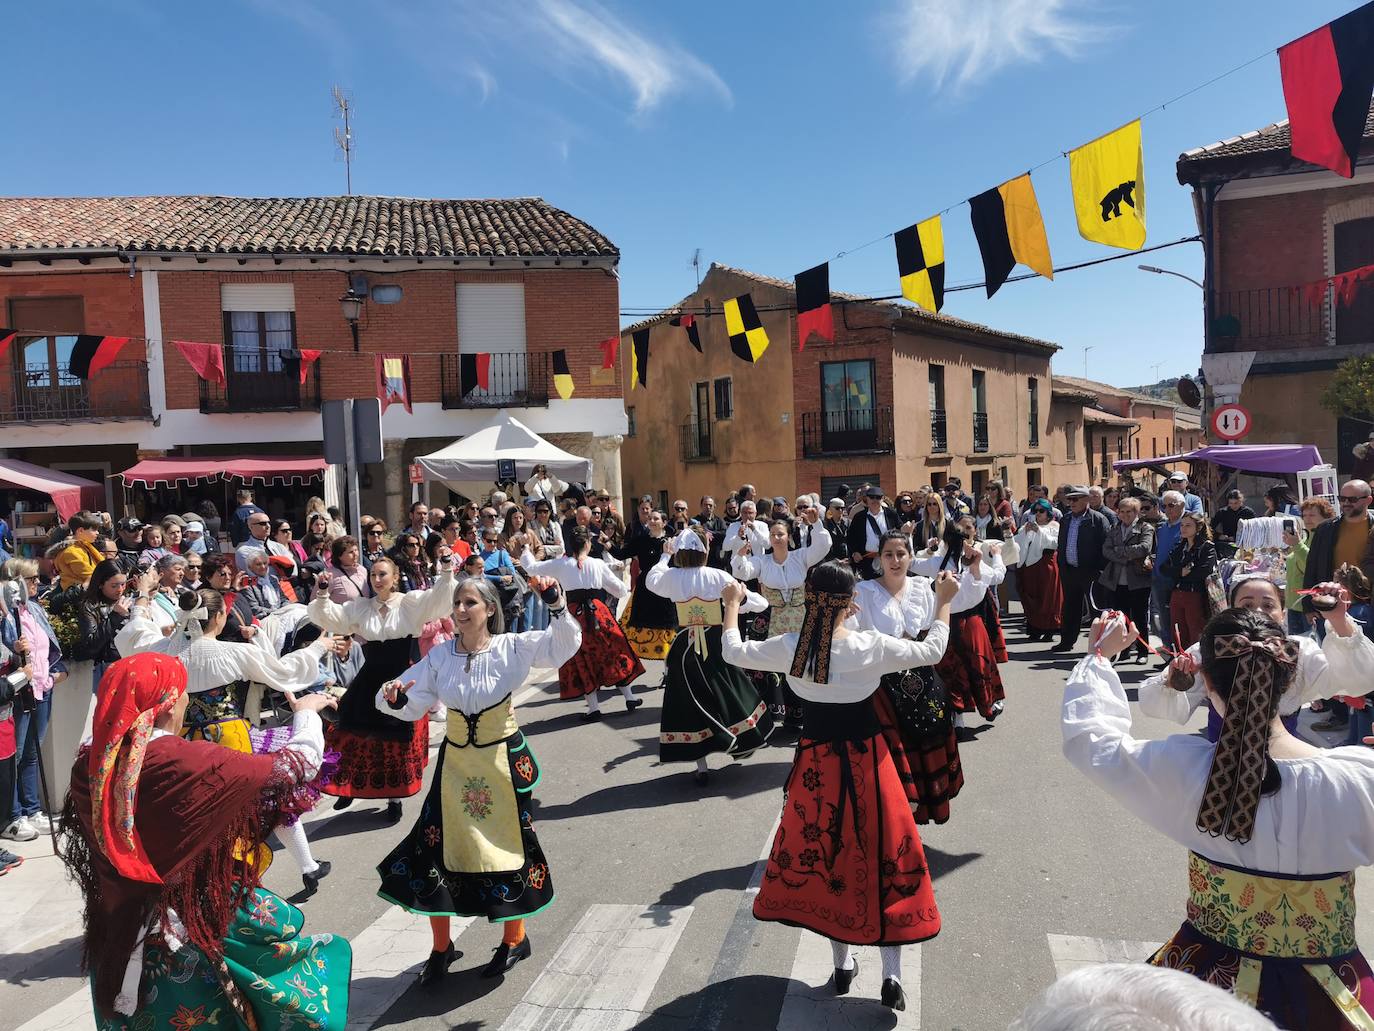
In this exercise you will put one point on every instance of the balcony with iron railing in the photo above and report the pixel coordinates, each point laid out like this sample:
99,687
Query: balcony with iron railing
257,383
1283,317
50,393
862,431
695,441
515,379
980,431
939,432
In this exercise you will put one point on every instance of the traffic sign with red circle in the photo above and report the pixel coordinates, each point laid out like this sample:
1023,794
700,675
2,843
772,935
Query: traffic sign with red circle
1231,422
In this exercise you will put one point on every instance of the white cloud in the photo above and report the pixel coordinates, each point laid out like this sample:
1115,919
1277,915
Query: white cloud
653,69
962,43
486,82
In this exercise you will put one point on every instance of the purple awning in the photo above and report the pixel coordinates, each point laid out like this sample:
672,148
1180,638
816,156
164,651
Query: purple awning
1276,459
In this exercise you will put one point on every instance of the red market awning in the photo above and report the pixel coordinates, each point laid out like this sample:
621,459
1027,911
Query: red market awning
168,472
69,493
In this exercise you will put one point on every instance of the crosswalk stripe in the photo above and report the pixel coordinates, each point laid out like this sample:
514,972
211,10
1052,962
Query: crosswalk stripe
603,973
74,1013
396,942
1071,951
811,1001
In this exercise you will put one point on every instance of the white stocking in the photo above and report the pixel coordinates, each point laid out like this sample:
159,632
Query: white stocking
593,703
294,840
701,764
842,954
626,692
958,719
892,962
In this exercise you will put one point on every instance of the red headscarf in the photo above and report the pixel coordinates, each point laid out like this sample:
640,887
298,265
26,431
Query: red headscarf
133,694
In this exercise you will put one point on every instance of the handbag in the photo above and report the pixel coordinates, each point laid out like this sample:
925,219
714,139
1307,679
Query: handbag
1215,595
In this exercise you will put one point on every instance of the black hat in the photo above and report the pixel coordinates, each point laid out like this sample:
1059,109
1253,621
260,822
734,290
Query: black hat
131,524
874,492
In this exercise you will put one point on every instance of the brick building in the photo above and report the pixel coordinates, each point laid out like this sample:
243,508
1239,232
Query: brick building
516,279
1118,424
901,399
1270,224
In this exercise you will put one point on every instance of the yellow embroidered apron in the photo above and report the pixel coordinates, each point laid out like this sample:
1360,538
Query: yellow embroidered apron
481,815
1263,916
694,615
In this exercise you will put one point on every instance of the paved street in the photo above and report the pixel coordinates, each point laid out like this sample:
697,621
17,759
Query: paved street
1036,872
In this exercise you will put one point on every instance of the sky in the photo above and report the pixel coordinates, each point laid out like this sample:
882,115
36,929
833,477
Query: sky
771,136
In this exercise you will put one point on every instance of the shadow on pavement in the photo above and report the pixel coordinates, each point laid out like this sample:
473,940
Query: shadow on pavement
464,984
60,959
747,778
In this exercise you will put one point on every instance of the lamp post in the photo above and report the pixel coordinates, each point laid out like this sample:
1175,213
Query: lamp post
1170,272
351,305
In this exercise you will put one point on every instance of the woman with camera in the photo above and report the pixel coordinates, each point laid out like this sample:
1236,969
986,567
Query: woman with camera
26,632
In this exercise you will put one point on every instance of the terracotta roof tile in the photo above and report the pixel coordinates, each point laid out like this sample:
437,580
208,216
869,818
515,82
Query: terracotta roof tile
383,226
1273,139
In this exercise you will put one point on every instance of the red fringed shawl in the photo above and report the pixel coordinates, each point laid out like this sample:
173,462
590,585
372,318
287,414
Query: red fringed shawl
200,806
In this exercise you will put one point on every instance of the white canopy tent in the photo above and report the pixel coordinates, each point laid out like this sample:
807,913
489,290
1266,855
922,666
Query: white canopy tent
469,466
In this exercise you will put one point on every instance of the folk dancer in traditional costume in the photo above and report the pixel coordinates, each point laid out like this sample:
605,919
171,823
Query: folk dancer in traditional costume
708,704
473,851
1037,573
605,658
649,621
164,837
847,861
1274,827
969,666
380,756
781,574
1176,692
213,668
912,705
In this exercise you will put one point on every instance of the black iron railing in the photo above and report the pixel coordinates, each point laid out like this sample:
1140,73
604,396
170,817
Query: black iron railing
939,436
1282,317
50,393
515,379
980,431
695,441
255,382
863,431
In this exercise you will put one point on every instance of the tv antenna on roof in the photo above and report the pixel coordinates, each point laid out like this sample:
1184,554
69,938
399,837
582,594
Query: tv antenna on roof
343,137
696,265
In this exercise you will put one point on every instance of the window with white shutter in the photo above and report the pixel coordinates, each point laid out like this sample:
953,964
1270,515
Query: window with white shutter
491,320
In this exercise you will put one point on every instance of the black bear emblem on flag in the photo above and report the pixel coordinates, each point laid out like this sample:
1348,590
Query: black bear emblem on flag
1111,204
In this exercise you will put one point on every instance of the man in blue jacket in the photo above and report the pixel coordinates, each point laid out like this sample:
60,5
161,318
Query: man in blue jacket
1171,503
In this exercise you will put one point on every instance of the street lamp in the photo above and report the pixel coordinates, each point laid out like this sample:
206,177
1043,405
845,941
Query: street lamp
351,304
1170,272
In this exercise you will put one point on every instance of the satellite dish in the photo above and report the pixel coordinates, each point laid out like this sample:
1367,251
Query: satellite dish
1188,392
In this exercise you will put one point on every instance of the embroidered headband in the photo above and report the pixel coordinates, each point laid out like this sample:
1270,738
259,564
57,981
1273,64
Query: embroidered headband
824,611
1231,797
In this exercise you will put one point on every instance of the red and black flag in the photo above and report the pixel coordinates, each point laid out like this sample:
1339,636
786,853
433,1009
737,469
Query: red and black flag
689,323
639,358
813,305
6,337
474,370
1328,79
93,352
296,364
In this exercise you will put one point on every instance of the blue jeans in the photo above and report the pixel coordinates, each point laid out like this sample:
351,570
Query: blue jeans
536,612
1160,590
26,795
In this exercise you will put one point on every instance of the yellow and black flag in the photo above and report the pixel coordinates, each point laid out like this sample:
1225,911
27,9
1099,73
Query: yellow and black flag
747,336
639,358
562,377
921,263
1007,223
1108,180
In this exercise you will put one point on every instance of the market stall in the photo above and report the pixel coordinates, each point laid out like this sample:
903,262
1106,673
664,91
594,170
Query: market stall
472,465
32,519
179,484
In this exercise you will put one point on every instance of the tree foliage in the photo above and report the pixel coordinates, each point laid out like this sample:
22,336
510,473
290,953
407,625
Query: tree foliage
1351,390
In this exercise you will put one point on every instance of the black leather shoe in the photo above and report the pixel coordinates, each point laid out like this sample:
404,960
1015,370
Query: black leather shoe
1062,647
436,967
591,717
343,803
507,956
393,811
631,704
312,880
845,978
893,997
701,778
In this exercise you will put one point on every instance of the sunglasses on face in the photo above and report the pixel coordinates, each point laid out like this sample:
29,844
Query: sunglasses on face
375,533
259,524
194,565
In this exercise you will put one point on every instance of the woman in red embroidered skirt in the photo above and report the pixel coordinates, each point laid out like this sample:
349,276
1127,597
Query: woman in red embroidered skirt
847,861
379,755
605,658
1037,576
